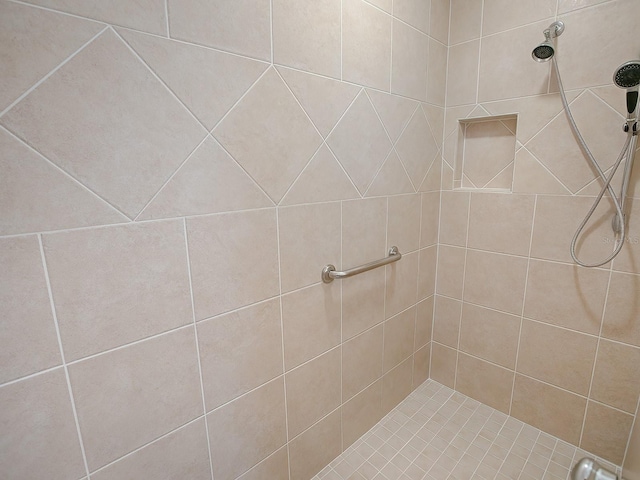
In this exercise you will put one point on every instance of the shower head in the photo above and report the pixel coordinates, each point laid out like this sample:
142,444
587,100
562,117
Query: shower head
546,50
627,76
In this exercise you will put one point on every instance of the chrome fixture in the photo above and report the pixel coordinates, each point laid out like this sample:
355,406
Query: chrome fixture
329,272
626,76
546,50
589,469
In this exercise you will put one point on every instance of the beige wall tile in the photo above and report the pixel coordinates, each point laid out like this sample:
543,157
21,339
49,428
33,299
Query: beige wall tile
414,12
311,321
606,432
506,71
306,35
122,102
247,430
443,364
462,73
439,20
500,15
315,448
362,302
409,61
394,111
403,226
29,341
274,467
399,335
424,322
488,153
391,179
363,231
361,413
366,45
427,272
311,186
283,139
451,262
209,82
240,351
430,219
115,285
436,72
622,310
545,355
566,295
309,240
446,321
239,26
490,335
402,284
465,20
495,281
594,67
35,196
557,219
550,409
359,141
629,258
396,385
235,269
487,383
145,390
209,182
529,176
181,454
362,361
417,148
421,364
454,218
325,100
37,423
501,223
616,378
35,41
313,390
146,15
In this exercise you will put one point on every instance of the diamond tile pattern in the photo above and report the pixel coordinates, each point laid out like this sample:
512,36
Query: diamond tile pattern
417,148
33,42
269,135
360,142
207,81
437,433
123,140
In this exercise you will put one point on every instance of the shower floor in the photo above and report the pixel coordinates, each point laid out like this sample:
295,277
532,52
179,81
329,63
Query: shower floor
437,433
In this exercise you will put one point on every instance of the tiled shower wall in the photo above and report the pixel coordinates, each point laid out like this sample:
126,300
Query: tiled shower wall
517,325
174,177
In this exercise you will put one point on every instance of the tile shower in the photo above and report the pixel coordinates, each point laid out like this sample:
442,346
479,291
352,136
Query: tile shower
175,174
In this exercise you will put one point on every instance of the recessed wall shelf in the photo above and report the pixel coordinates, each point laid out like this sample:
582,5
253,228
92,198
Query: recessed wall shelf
485,153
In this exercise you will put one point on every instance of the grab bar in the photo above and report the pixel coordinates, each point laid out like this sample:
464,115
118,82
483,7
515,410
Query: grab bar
329,271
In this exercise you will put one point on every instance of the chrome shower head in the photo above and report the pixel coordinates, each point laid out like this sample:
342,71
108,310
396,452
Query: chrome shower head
546,50
627,76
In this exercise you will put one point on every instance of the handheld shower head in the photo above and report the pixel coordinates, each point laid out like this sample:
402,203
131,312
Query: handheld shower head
627,76
546,50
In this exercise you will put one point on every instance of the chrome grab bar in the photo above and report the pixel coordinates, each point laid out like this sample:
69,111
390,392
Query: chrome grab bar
329,271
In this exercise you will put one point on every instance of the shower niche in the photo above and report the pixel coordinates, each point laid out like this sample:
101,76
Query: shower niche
485,153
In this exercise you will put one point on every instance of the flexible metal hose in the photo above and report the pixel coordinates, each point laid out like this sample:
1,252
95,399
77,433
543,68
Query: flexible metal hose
606,186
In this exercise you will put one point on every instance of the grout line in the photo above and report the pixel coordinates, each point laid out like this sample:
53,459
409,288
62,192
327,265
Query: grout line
195,330
284,367
126,219
175,172
62,356
524,300
48,75
158,78
511,164
480,52
166,13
